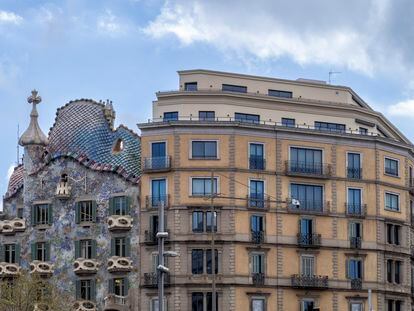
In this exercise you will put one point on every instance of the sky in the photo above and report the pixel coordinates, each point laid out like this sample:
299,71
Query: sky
127,50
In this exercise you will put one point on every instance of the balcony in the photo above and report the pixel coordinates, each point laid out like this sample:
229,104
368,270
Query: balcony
258,279
309,239
116,303
10,227
354,173
355,242
85,266
84,305
155,201
257,237
257,163
355,210
311,207
119,222
150,237
309,281
157,164
119,264
315,170
9,269
151,279
258,201
42,268
356,284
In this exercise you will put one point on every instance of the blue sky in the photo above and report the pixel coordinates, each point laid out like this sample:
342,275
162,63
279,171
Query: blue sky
126,50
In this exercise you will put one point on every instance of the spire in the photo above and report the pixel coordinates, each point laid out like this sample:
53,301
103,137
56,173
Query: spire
33,135
109,113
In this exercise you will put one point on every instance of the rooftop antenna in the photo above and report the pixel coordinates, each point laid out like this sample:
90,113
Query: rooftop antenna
331,73
18,148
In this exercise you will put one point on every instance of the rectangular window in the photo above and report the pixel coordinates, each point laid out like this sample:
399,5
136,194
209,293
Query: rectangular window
354,204
209,264
305,161
256,197
154,305
276,93
389,271
198,221
393,234
257,263
355,230
120,247
234,88
258,304
307,265
41,251
363,131
211,221
256,156
355,269
392,201
20,213
85,289
190,86
85,248
288,122
120,206
397,272
85,210
197,302
354,170
41,214
391,167
202,186
307,305
356,306
207,115
197,261
309,196
204,149
171,116
331,127
257,223
119,286
158,192
10,253
245,117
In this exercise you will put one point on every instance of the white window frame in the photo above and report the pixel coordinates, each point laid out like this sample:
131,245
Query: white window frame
398,166
158,141
190,155
307,147
190,185
261,298
385,202
159,178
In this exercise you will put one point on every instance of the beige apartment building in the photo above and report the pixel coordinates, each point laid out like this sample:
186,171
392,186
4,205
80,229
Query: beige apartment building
312,193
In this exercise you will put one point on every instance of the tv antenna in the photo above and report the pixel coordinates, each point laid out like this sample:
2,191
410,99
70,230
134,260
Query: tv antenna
331,73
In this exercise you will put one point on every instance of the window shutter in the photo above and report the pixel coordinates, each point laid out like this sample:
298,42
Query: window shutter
112,247
111,206
17,254
94,211
77,212
33,215
128,247
93,249
78,289
2,259
77,249
126,284
33,251
347,268
50,214
47,252
111,286
93,290
128,202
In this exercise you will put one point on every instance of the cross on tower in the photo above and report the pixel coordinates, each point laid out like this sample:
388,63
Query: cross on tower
34,98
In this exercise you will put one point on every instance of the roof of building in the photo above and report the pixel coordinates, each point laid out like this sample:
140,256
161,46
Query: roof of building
82,132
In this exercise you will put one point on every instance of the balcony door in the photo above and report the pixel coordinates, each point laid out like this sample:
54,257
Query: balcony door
310,197
256,193
256,156
354,165
158,155
307,161
354,201
257,223
158,191
307,265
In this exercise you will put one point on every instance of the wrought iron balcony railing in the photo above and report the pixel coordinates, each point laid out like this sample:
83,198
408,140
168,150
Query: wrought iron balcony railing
113,301
257,163
354,172
150,236
309,239
155,201
356,284
151,279
308,169
258,237
258,201
319,207
355,209
258,279
157,163
309,281
355,242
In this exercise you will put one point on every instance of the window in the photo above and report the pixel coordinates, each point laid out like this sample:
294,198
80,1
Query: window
356,306
276,93
202,186
121,247
171,116
234,88
202,301
11,253
392,201
256,197
118,286
306,235
354,169
355,233
158,192
257,223
207,115
198,221
309,196
258,304
394,305
202,221
355,268
204,149
391,167
154,304
288,122
394,271
20,213
257,261
307,265
256,156
190,86
307,305
42,214
393,234
211,221
85,290
331,127
201,261
354,205
85,249
85,211
305,161
119,205
363,131
41,251
245,117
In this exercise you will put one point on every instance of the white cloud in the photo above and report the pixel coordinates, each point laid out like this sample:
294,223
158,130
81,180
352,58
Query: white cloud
10,18
10,172
110,24
363,36
403,109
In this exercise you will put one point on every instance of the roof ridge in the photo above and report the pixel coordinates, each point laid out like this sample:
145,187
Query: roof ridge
128,129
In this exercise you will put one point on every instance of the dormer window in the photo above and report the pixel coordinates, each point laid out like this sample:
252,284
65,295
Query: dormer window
118,146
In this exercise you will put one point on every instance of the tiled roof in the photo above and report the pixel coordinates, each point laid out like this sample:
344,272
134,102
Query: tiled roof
15,181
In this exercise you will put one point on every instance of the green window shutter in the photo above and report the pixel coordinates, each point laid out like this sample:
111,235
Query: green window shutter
78,289
50,214
347,268
33,215
77,212
47,253
111,206
111,286
33,251
17,254
113,247
93,290
94,211
94,249
127,247
77,249
2,253
126,284
128,202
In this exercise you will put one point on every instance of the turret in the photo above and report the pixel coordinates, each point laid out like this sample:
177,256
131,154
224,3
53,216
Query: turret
109,113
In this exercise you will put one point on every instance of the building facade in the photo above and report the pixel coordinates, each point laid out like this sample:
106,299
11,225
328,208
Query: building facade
71,209
312,194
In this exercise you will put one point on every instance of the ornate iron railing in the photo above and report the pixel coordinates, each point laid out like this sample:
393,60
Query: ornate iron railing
356,284
309,281
354,173
258,201
309,239
257,163
309,206
151,279
355,242
257,237
356,209
157,163
308,169
258,279
155,201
